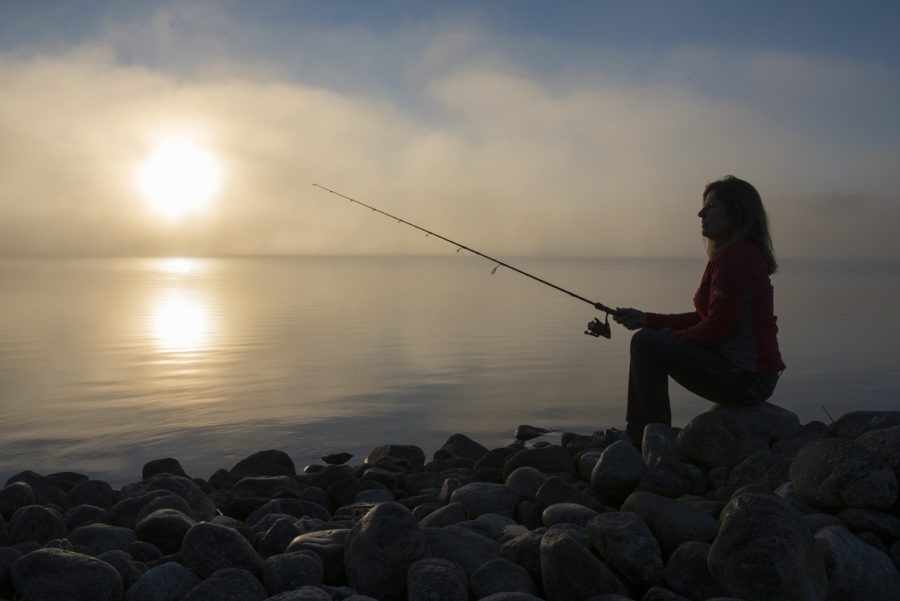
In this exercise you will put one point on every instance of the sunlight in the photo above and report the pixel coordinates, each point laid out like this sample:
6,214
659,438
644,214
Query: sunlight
178,265
178,177
181,323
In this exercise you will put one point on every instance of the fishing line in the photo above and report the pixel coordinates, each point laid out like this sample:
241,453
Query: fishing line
595,328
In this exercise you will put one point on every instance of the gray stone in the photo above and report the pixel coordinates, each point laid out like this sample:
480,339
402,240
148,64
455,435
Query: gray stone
817,521
549,459
505,596
290,571
35,523
167,501
856,571
125,512
808,433
570,571
625,542
586,461
373,495
14,497
446,515
500,575
724,436
298,508
56,575
672,522
264,463
764,552
525,550
485,497
436,580
462,546
8,556
567,513
279,535
202,508
659,442
762,467
525,432
883,525
618,472
93,492
884,443
461,445
166,465
96,539
554,490
144,552
210,547
857,423
165,528
686,572
418,482
834,473
125,565
380,549
228,584
253,492
411,455
667,478
329,546
525,481
658,593
312,593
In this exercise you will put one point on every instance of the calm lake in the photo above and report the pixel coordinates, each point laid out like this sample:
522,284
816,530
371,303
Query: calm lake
106,364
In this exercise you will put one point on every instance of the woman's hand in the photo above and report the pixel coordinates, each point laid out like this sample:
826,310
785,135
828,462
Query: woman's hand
630,318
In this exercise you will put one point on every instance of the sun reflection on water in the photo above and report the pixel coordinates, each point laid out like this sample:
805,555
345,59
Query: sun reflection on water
181,322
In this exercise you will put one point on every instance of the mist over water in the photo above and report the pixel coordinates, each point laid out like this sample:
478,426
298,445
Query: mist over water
106,364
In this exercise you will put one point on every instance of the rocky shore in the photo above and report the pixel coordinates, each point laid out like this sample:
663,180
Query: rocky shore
740,504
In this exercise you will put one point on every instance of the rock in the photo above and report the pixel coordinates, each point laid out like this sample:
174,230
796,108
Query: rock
856,571
816,521
461,445
549,460
672,522
329,546
686,572
14,497
525,482
380,549
35,523
762,467
167,465
618,472
144,552
526,432
857,423
202,508
834,473
264,463
125,512
279,535
895,553
567,513
462,546
791,445
336,458
625,542
505,596
667,478
124,564
554,491
56,575
525,550
312,593
764,552
586,461
485,497
495,458
167,501
47,491
298,508
449,514
165,528
419,482
8,556
659,442
436,580
209,547
290,571
658,593
724,436
374,495
228,584
500,575
884,525
789,494
93,492
253,492
96,539
411,455
884,443
570,571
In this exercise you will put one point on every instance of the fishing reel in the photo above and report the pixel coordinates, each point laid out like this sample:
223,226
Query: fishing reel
599,328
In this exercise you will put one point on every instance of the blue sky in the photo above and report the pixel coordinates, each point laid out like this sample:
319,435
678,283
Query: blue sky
542,127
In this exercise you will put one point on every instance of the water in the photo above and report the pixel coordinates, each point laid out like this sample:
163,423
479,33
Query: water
106,364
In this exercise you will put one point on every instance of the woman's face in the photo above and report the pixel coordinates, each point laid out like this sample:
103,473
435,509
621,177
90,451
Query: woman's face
714,220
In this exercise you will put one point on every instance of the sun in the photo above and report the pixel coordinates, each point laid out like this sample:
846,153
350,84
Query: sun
179,177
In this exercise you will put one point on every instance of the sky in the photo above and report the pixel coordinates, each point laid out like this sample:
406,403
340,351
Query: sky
514,127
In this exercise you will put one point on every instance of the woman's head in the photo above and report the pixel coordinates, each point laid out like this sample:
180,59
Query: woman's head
733,212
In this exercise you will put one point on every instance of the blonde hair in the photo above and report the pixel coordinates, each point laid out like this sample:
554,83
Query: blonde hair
749,222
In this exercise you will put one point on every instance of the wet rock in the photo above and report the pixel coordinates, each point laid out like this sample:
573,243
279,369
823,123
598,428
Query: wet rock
764,552
329,546
15,496
460,445
856,571
857,423
625,542
485,497
500,575
554,490
336,458
264,463
228,584
35,523
672,522
549,460
253,492
462,546
570,571
687,573
93,492
567,513
724,436
449,514
835,473
209,547
96,539
618,471
659,442
165,528
290,571
808,433
436,580
762,467
379,550
411,455
56,575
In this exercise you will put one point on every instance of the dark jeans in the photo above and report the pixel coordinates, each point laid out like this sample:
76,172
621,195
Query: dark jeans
656,355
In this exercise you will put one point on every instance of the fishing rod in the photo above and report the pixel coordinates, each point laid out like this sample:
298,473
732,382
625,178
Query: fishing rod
596,328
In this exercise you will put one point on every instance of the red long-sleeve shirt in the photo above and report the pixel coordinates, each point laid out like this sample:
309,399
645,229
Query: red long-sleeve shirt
734,311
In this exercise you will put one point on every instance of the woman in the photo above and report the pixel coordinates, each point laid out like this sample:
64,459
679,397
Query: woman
726,350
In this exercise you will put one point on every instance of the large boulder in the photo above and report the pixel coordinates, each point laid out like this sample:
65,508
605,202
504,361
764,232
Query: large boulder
380,549
209,547
500,575
96,539
857,423
570,571
165,528
36,524
460,445
550,459
57,575
886,444
724,436
409,455
834,473
202,508
436,579
462,546
228,584
856,571
166,582
486,497
764,552
264,463
672,522
618,471
329,546
687,572
290,571
624,541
